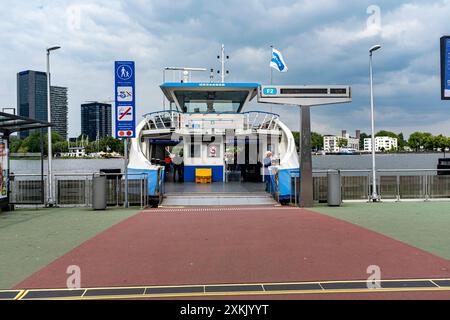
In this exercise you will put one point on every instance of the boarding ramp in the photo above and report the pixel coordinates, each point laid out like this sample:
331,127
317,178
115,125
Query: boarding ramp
216,194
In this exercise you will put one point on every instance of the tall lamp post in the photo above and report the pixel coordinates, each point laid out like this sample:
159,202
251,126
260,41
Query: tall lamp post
374,175
50,200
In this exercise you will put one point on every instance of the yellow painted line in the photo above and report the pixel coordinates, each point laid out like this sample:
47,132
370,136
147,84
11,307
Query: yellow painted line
238,284
17,295
23,292
250,293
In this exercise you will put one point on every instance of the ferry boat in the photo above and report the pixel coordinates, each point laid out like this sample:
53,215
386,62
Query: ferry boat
443,166
208,127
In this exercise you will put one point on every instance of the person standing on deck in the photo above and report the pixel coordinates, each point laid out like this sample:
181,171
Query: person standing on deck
267,163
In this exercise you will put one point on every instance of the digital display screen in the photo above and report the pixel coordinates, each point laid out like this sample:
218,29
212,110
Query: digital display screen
304,91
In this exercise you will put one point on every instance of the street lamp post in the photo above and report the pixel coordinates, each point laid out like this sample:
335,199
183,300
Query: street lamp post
50,200
374,196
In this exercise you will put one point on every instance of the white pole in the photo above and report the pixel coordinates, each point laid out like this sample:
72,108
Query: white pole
49,138
126,171
374,175
163,96
271,69
223,63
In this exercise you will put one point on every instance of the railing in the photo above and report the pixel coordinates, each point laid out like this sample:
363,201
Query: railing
253,120
398,185
257,120
76,189
34,184
163,120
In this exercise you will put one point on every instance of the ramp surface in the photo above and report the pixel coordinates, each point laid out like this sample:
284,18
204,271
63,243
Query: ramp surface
236,245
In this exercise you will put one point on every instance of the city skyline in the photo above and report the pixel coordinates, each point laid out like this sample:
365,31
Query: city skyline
407,85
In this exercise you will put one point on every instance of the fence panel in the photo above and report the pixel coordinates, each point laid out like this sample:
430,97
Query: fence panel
412,187
27,191
388,187
320,189
354,187
72,192
439,186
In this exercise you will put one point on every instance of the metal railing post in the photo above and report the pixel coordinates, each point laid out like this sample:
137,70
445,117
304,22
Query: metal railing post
425,186
398,188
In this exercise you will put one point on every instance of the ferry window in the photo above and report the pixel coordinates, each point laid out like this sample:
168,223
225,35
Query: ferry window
195,150
211,101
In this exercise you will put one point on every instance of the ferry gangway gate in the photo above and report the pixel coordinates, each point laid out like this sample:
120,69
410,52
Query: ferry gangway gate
305,96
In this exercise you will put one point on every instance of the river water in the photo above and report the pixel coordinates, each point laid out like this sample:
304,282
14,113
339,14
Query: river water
343,162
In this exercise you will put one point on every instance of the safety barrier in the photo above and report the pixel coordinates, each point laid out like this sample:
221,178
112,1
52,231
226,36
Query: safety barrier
76,189
422,184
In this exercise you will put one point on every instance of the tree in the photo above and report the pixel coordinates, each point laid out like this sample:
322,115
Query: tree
441,142
110,144
60,147
421,140
415,140
342,142
316,141
384,133
401,143
362,136
428,141
32,143
14,144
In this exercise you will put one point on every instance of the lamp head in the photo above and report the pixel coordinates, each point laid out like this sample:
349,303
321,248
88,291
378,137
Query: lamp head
375,48
53,48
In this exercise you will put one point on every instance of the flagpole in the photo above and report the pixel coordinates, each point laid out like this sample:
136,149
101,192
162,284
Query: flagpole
271,69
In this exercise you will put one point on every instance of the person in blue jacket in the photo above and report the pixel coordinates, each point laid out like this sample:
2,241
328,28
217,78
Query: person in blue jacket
267,162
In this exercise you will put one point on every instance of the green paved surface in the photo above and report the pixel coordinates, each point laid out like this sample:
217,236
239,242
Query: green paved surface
425,225
31,239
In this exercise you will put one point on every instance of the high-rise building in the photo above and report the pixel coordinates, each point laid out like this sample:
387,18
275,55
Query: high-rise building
96,120
32,96
58,101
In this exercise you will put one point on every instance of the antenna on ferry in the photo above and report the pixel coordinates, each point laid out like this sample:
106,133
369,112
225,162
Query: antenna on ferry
222,59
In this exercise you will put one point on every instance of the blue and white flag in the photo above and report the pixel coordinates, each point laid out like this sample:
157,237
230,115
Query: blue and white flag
277,61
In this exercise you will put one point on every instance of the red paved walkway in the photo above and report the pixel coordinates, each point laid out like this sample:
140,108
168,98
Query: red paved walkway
245,246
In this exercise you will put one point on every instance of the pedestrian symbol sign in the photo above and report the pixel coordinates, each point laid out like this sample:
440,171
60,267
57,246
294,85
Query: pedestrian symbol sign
124,72
125,99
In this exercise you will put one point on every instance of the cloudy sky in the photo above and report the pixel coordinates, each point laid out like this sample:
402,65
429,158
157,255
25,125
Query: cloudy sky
323,42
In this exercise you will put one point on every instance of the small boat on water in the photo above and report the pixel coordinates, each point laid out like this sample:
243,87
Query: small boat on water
347,151
443,164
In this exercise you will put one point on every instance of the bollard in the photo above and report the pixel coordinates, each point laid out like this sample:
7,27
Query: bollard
99,192
334,197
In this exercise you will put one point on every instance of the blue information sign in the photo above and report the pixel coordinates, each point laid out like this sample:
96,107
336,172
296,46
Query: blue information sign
445,67
270,91
125,99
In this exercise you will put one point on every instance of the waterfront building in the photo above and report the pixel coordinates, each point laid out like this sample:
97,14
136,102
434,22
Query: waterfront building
381,144
96,120
31,96
58,101
32,101
331,142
